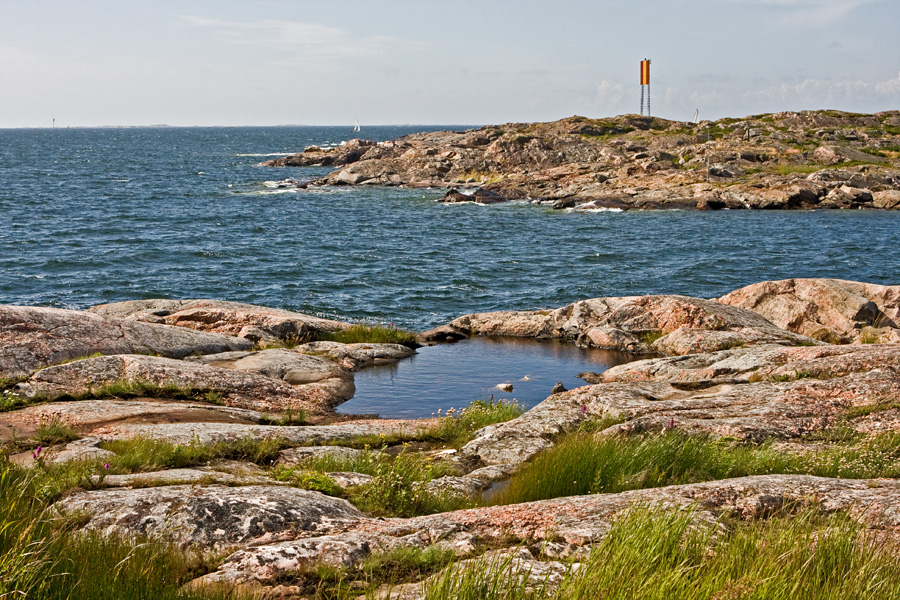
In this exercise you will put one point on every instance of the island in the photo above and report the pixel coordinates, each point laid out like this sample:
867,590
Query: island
787,160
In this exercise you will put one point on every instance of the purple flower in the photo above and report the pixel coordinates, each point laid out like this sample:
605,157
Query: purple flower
672,423
583,409
106,466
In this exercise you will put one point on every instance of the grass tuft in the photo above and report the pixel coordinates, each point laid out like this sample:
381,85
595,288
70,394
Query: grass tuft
55,431
585,464
458,429
362,333
47,559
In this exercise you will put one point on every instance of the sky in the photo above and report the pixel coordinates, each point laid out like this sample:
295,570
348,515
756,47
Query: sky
278,62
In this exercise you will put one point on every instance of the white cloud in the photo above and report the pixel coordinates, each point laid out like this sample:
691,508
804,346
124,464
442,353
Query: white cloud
832,94
308,41
810,13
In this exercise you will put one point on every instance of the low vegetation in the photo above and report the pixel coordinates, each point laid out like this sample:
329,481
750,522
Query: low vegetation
362,333
655,555
457,429
42,557
585,464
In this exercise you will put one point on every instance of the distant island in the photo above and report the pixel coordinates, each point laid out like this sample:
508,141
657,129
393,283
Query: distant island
786,160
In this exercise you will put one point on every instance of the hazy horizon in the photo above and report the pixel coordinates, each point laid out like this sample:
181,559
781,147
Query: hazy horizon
316,63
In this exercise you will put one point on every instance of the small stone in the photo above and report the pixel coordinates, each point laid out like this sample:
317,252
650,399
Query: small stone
558,388
505,387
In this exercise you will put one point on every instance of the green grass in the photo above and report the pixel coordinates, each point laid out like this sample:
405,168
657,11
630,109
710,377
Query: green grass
789,169
370,334
133,388
44,559
11,401
140,454
651,554
55,431
290,418
458,429
584,464
395,490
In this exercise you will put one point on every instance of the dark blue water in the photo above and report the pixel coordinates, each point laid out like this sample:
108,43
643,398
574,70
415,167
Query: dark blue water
453,375
100,215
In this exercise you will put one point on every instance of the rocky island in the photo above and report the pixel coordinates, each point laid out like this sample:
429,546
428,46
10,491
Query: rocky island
788,160
252,470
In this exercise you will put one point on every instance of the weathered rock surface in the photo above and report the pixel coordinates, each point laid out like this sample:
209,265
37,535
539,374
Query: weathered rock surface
256,323
637,324
294,456
35,337
518,564
213,516
86,415
635,162
833,310
169,477
746,393
235,388
351,151
210,433
575,521
358,356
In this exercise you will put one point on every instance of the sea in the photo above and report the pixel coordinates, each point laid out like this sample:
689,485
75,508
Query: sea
95,215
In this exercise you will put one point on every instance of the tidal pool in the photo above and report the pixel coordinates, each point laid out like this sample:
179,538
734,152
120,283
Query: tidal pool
453,375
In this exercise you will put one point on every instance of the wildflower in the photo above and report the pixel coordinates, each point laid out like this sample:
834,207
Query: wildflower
106,466
672,423
583,409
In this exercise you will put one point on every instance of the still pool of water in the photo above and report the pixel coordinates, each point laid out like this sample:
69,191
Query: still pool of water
453,375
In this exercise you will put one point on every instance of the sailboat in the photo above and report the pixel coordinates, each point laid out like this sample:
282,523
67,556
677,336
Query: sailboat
356,127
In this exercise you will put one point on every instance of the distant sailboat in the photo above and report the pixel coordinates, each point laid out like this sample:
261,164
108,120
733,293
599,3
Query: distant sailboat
356,127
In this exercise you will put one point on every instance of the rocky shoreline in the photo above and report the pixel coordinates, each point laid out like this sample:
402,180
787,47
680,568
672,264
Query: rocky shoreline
788,160
788,362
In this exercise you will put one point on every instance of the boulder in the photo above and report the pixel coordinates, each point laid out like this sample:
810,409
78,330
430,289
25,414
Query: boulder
35,337
147,374
210,517
230,318
293,367
847,197
834,310
358,356
479,196
887,199
636,324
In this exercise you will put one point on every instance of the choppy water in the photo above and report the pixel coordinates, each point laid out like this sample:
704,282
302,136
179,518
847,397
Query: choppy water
100,215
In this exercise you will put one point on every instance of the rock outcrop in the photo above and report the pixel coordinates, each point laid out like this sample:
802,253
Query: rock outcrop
211,516
149,374
787,160
256,323
636,324
750,394
575,522
832,310
35,337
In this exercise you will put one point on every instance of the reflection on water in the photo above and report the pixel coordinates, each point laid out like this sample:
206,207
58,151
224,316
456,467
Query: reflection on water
453,375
